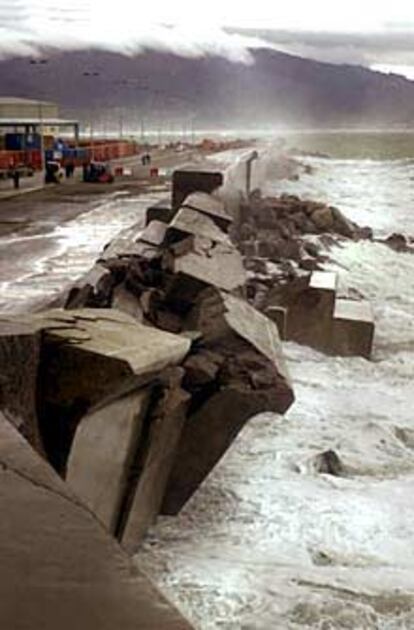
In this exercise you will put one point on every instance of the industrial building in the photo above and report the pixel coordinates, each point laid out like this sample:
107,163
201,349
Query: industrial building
22,115
27,128
17,108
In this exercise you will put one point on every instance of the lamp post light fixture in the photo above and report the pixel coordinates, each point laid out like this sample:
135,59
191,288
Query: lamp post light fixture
41,62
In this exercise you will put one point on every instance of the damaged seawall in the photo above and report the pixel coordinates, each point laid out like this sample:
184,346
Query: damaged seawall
136,388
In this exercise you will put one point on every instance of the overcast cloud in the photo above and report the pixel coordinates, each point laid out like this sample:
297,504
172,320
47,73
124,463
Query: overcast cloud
388,49
371,33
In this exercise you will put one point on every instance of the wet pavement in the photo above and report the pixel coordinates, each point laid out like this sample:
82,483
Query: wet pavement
49,239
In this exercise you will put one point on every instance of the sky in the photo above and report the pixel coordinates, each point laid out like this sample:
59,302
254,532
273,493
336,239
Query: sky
373,33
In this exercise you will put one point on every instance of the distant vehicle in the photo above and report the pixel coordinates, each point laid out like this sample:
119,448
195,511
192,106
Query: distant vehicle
97,172
53,172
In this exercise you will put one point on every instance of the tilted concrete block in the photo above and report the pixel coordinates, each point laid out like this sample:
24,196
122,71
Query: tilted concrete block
216,264
160,211
187,181
252,377
102,454
154,233
353,328
153,461
310,303
191,221
210,206
92,356
93,289
59,568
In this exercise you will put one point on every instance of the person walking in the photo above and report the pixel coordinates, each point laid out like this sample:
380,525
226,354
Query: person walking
16,178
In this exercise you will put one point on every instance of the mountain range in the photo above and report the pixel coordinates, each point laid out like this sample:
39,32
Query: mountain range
277,89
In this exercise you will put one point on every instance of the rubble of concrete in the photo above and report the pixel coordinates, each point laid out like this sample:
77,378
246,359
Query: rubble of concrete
88,398
59,567
153,366
235,371
193,285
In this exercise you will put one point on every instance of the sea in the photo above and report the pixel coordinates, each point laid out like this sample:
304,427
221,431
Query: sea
267,542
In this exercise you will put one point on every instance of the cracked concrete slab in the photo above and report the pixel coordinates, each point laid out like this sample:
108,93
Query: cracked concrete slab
59,567
210,206
192,221
102,453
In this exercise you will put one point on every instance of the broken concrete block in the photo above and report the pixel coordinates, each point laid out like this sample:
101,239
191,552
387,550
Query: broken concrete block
115,337
129,244
153,461
125,248
191,221
90,356
93,289
206,436
313,317
352,329
252,378
279,315
187,181
19,364
123,300
202,368
160,211
210,206
154,233
211,263
59,568
310,303
323,281
102,453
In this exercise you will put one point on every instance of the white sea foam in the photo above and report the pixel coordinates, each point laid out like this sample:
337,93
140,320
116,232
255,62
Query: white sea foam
267,543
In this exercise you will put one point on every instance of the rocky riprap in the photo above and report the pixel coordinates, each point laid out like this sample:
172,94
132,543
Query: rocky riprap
286,237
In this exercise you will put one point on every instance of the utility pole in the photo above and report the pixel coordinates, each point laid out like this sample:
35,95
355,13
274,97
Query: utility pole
42,139
142,130
36,62
121,123
91,140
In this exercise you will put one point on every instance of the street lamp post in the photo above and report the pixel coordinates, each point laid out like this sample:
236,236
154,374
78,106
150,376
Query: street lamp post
41,62
42,138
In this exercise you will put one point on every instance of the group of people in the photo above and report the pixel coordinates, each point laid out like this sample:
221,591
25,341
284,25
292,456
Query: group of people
14,173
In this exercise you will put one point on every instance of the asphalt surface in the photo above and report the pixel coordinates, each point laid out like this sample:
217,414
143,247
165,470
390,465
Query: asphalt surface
50,237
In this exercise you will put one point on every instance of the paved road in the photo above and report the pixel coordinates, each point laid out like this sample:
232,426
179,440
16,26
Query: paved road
50,237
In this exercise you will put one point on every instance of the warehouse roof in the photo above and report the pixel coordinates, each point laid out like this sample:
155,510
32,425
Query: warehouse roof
51,122
17,100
